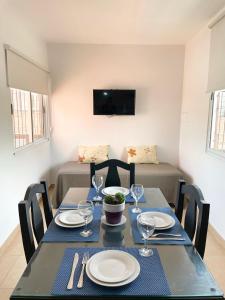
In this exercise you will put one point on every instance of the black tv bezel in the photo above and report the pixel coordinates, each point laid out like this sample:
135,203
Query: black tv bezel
109,114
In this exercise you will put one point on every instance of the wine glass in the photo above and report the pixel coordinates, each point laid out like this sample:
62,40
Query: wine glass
85,209
97,182
146,227
137,191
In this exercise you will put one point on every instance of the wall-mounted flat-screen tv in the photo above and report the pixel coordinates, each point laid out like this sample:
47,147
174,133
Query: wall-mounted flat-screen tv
114,102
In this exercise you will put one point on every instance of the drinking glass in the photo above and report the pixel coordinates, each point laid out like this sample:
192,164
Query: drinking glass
146,227
97,182
137,191
85,209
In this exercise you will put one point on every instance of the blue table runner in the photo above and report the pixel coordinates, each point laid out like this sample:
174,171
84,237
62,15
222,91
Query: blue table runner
56,233
129,198
150,282
176,229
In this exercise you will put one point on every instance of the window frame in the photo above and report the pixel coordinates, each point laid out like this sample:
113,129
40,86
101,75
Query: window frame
46,122
216,153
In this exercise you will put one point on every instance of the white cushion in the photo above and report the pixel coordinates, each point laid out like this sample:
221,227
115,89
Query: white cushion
142,154
97,154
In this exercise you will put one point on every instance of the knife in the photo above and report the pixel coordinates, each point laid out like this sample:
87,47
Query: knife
74,265
165,239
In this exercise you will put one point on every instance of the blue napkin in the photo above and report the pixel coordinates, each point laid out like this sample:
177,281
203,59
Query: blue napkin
56,233
176,229
150,282
129,198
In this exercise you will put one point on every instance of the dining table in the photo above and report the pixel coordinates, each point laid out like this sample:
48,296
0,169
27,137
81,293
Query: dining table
185,271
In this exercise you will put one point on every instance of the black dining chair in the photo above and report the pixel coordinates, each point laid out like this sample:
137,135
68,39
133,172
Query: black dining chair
30,215
112,177
196,216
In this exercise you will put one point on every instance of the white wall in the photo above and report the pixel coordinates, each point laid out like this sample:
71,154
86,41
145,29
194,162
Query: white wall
156,72
28,166
207,171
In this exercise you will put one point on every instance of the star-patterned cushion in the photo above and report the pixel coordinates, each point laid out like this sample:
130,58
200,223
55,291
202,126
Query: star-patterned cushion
97,154
142,154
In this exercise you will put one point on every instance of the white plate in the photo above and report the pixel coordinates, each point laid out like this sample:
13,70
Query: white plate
57,221
112,190
162,220
123,221
134,275
112,266
71,217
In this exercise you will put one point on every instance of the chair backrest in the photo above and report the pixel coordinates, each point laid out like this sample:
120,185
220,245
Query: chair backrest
196,216
30,216
112,177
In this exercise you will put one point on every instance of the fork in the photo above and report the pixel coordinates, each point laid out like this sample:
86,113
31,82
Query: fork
166,234
84,262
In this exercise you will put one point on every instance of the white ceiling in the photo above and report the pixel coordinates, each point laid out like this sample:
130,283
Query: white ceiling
116,21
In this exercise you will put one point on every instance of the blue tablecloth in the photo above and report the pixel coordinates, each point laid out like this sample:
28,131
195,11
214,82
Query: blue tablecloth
56,233
176,229
129,198
150,282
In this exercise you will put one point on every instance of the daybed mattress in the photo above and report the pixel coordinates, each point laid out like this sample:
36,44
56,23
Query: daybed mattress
163,176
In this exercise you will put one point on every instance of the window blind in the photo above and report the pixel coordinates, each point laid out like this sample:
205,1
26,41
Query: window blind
24,74
216,79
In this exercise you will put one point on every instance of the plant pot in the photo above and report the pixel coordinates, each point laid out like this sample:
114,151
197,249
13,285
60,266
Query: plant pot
113,213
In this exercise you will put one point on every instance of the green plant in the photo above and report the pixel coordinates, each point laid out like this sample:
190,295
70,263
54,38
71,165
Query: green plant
114,200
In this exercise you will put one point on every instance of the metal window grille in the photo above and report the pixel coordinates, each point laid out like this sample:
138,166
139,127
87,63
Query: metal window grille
37,116
217,136
29,117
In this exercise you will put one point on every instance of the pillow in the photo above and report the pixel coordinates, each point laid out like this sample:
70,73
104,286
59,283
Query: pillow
97,154
142,155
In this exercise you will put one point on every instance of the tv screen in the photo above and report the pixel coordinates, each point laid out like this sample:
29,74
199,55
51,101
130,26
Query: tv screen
114,102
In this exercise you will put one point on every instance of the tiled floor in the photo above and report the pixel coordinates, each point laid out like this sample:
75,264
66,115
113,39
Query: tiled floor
12,261
12,264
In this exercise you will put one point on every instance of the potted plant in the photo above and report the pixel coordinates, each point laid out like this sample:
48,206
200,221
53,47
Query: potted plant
113,207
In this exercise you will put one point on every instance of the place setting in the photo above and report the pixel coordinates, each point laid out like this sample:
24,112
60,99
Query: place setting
97,192
80,223
71,219
97,271
162,227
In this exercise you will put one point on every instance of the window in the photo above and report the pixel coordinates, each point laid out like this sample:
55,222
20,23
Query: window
216,141
30,122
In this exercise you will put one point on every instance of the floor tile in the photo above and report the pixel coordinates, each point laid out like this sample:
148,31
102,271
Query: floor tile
14,274
6,264
5,293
